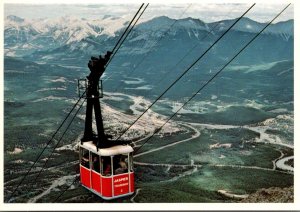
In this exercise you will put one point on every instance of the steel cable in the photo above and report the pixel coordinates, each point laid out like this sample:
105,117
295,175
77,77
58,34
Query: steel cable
47,144
236,21
46,161
214,76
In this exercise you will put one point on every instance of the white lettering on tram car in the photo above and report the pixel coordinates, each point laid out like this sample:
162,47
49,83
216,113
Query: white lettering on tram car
121,179
120,185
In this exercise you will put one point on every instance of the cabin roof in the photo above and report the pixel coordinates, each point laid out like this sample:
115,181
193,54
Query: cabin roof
114,150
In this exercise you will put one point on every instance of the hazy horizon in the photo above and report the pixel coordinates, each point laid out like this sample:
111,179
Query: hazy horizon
205,12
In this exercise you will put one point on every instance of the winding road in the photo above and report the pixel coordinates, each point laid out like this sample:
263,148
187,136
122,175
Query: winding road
281,164
196,135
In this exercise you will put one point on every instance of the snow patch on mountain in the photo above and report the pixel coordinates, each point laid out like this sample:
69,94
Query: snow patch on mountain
52,33
284,29
70,34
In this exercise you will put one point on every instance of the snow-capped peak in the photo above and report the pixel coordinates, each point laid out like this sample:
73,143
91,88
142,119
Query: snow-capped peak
14,18
68,28
69,31
249,25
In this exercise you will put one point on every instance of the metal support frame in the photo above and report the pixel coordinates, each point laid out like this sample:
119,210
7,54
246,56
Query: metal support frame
82,86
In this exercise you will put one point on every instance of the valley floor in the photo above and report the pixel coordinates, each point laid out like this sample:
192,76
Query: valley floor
203,171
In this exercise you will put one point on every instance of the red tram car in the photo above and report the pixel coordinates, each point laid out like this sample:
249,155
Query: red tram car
107,172
106,166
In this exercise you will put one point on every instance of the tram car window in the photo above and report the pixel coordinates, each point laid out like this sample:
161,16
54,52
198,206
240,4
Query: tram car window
120,164
96,162
130,162
85,158
106,167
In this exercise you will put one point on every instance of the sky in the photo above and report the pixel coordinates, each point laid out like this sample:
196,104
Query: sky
208,12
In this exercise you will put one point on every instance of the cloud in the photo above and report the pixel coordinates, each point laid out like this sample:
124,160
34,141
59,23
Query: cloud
207,12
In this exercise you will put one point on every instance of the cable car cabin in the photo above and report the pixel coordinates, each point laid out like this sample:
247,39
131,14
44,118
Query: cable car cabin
107,172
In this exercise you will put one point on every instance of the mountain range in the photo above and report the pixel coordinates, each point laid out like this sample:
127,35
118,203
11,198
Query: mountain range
48,36
239,126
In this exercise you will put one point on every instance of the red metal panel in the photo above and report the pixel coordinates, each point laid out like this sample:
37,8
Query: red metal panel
96,185
131,182
85,176
106,186
121,184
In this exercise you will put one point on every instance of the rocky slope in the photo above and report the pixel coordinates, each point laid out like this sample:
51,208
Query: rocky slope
273,194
